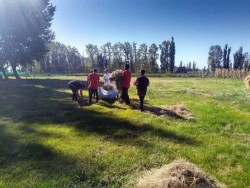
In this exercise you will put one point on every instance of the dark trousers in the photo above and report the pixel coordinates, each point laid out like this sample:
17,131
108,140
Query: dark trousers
74,91
91,93
125,96
94,95
141,102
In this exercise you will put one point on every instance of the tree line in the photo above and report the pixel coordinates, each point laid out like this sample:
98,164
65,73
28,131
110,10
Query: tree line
66,59
220,59
27,44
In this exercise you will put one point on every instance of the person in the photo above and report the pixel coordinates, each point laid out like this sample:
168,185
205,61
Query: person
93,80
126,77
76,87
142,82
106,77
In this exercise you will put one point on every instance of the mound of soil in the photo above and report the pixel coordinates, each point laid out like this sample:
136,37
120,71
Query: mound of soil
178,174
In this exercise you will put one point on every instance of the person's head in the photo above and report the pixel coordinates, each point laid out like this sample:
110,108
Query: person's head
126,67
94,70
142,71
106,70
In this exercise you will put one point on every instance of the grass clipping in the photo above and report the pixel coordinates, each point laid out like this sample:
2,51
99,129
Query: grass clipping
178,174
247,81
178,111
108,87
117,77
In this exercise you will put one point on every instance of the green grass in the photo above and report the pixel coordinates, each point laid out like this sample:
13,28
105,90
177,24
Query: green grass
47,140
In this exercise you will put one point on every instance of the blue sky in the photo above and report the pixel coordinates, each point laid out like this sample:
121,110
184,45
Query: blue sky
194,24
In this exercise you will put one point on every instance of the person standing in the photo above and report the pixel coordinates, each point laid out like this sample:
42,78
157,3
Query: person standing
126,77
76,88
106,77
93,80
142,82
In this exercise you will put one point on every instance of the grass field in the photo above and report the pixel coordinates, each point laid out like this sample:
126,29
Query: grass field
48,140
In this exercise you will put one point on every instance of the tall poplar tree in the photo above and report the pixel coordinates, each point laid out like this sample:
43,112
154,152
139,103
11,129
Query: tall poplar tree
172,55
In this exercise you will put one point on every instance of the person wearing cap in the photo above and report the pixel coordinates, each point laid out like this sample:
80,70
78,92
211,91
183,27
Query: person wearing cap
76,88
141,82
126,77
93,80
106,77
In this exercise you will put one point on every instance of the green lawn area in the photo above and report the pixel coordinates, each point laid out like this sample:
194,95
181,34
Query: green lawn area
48,140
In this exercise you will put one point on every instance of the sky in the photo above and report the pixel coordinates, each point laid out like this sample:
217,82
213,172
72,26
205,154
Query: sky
195,24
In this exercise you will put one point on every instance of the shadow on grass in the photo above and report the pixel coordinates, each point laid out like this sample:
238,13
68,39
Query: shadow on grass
28,104
120,130
155,110
38,101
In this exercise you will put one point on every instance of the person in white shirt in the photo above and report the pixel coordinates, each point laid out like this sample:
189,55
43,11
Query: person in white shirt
106,77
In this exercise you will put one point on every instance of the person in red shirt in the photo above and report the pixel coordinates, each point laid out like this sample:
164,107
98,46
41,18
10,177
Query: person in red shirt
93,81
126,77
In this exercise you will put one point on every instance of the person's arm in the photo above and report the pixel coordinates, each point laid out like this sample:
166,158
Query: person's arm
81,94
136,82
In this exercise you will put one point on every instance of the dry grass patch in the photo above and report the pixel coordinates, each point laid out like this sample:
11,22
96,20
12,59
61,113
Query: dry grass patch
117,77
178,111
178,174
247,81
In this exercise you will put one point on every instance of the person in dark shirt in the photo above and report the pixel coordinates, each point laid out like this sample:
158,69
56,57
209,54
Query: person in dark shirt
142,82
76,87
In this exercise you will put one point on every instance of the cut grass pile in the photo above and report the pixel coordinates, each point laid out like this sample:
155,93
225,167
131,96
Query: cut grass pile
178,174
47,140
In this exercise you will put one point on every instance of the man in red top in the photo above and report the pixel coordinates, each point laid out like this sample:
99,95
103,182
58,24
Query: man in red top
93,80
126,77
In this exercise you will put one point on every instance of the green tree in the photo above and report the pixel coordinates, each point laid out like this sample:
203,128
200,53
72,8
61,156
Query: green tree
143,58
172,55
246,61
214,57
153,56
3,61
164,57
181,64
136,55
117,51
226,55
25,30
238,59
92,52
74,60
228,58
194,66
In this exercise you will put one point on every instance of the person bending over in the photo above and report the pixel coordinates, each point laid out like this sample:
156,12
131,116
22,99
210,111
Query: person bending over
76,88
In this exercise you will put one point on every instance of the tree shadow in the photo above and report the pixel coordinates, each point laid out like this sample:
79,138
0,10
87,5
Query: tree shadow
30,104
119,130
155,110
